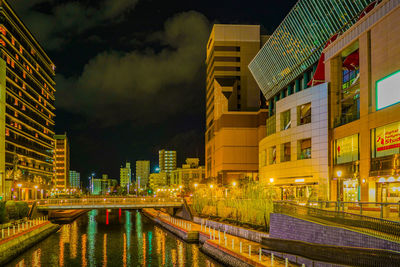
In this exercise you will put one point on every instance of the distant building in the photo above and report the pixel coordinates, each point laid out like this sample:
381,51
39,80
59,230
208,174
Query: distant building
167,160
235,107
27,96
74,179
189,175
142,173
62,161
157,180
96,186
125,175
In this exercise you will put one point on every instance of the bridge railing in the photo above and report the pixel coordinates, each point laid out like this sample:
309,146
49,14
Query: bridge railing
108,201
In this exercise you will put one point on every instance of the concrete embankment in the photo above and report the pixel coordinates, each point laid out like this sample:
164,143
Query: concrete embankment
228,249
16,244
65,216
183,231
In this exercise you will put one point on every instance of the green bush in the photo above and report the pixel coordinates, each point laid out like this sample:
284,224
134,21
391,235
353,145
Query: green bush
3,212
17,209
23,209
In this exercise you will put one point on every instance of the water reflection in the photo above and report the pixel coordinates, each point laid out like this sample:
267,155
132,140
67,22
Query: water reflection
112,238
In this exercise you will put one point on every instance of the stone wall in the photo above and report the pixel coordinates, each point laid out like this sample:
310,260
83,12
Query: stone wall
287,227
251,235
222,256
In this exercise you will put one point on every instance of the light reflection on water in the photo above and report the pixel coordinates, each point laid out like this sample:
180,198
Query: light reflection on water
113,238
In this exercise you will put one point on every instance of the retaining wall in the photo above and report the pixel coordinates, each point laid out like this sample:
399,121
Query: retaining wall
12,248
248,234
292,228
188,236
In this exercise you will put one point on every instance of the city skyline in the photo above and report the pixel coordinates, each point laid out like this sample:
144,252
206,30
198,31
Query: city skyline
181,128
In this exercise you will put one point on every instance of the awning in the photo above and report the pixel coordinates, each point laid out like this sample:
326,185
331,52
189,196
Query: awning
352,61
319,75
368,9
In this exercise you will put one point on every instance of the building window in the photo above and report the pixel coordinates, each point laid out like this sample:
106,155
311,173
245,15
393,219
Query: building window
272,155
285,120
304,149
346,149
285,152
304,114
349,105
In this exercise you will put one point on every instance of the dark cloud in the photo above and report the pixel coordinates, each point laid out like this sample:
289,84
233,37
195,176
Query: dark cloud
127,86
65,19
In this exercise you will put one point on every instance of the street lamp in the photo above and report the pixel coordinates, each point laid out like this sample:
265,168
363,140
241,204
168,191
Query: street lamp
234,184
339,174
36,187
211,186
271,180
19,191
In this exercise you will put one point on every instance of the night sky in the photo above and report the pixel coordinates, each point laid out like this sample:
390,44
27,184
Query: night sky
131,73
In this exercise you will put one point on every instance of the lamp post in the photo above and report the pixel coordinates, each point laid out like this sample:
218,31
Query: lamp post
36,187
339,175
19,191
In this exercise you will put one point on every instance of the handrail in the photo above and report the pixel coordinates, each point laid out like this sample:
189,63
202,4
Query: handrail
379,227
107,201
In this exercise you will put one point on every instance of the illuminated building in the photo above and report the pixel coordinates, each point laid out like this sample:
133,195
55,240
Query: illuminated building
167,160
157,180
74,179
27,109
142,173
125,175
62,161
235,121
190,173
96,186
363,69
289,69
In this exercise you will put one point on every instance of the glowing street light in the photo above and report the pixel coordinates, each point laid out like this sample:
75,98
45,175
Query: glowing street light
36,187
19,191
339,174
234,184
211,186
271,180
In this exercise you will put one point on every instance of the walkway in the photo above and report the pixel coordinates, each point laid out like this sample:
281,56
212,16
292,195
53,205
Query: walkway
109,203
21,228
240,248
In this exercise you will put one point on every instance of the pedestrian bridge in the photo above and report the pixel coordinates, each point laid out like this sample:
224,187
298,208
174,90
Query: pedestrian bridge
109,203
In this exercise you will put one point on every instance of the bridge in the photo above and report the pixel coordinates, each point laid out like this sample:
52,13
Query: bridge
109,203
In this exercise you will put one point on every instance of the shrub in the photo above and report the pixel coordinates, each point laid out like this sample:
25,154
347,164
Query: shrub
17,209
3,212
22,208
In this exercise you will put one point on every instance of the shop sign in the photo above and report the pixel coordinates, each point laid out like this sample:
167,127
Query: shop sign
388,91
387,141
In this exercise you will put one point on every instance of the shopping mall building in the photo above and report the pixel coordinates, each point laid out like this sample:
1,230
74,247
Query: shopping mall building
330,75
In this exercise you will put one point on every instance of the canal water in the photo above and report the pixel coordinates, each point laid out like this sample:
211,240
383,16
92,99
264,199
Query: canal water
113,238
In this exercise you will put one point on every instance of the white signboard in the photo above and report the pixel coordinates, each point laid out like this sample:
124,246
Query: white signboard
388,91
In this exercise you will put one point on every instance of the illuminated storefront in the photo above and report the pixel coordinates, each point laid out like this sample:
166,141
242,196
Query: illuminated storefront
346,161
385,153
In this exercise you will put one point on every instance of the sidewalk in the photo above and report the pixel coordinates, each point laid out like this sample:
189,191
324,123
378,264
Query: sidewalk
240,248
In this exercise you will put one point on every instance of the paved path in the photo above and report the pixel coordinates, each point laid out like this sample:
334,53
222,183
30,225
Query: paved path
236,246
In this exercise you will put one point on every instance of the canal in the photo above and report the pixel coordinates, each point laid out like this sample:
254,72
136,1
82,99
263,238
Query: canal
113,238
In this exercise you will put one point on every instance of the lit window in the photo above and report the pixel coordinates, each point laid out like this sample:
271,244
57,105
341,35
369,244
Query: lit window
304,149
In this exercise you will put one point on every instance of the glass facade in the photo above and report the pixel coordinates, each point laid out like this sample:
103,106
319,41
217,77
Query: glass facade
298,41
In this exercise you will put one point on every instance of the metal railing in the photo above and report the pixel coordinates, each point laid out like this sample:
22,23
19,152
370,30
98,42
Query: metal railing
103,201
382,210
379,227
22,226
